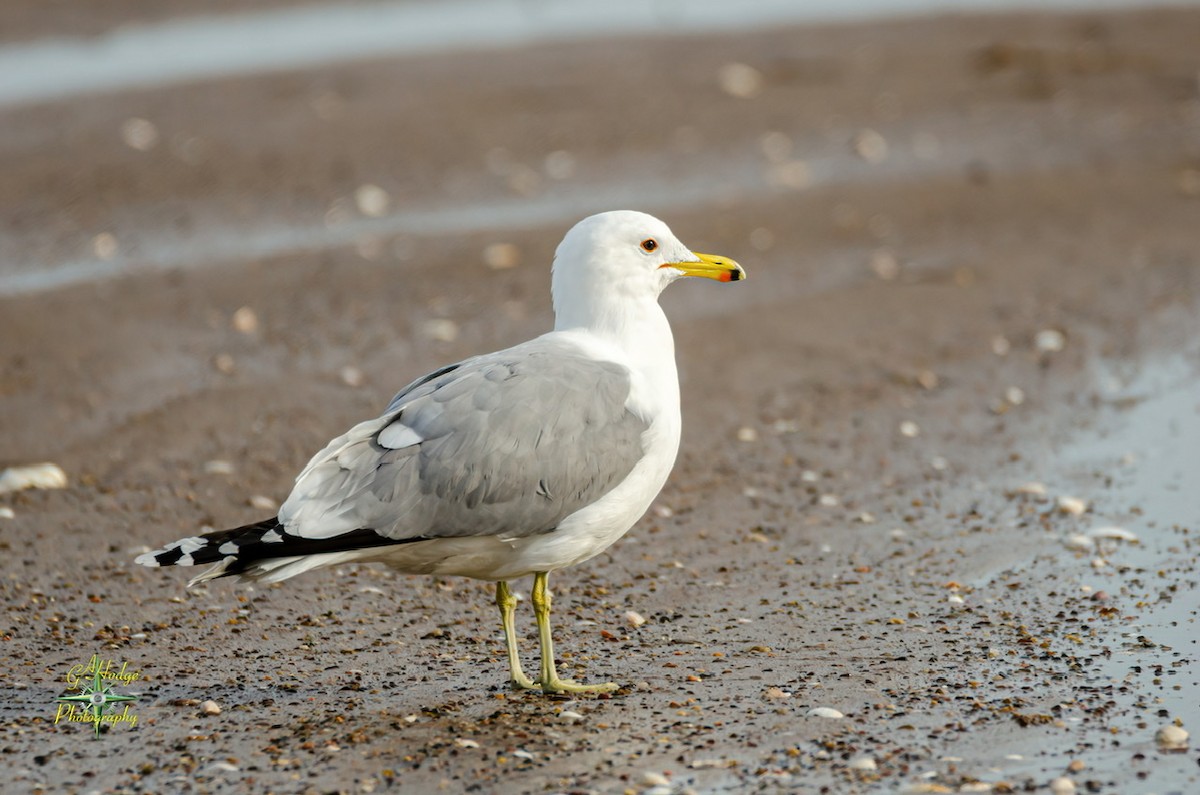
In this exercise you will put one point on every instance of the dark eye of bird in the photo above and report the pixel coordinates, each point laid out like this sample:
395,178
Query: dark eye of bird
649,244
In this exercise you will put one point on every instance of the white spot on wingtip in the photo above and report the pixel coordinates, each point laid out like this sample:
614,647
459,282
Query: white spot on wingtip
228,548
271,537
185,560
147,559
187,545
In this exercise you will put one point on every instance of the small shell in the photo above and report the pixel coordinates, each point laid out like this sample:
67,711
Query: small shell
210,707
218,467
740,80
1114,533
1079,543
1050,340
863,763
1072,505
139,134
1172,738
871,146
372,200
245,320
824,712
1031,489
263,503
501,256
33,476
634,618
441,329
1062,786
652,779
462,742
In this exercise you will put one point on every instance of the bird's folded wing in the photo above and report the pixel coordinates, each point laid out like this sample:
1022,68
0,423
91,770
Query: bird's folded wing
507,444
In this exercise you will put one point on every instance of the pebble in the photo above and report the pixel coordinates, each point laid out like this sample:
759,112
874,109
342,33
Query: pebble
372,200
871,146
7,513
210,707
462,742
829,500
1050,340
662,511
939,463
747,434
928,379
32,476
910,429
809,476
263,503
353,376
863,763
1032,489
1113,533
245,320
776,693
1172,738
955,599
1015,395
1076,765
1000,345
501,256
1072,505
224,767
634,618
570,715
139,134
824,712
442,329
1062,786
104,246
740,80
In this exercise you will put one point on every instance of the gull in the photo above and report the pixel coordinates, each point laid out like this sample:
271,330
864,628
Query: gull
518,462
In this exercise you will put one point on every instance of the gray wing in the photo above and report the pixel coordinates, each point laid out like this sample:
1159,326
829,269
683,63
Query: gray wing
506,444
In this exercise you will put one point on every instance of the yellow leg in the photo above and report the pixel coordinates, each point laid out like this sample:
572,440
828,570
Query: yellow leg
508,606
549,679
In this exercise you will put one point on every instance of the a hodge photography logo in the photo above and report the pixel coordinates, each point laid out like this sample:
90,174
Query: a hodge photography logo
95,702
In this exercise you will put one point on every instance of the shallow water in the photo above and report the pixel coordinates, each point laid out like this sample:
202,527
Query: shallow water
209,47
1150,455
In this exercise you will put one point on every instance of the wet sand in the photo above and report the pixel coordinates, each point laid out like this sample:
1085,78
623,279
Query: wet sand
916,203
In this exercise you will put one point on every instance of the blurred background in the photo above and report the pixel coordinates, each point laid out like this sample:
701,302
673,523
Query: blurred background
967,349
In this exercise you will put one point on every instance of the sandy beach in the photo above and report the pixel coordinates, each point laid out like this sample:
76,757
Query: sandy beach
968,348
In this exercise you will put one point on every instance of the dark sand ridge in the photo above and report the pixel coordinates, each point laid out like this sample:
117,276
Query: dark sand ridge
762,599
